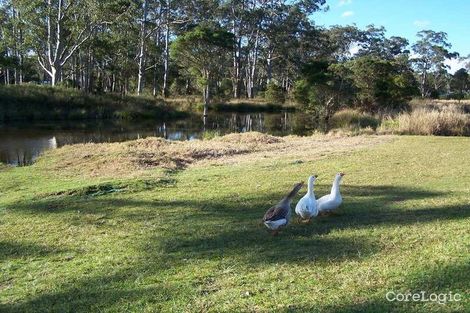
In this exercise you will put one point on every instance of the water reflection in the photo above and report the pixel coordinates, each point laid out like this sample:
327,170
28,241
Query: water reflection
21,144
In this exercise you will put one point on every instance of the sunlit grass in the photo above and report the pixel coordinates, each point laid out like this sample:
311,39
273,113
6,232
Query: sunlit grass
190,239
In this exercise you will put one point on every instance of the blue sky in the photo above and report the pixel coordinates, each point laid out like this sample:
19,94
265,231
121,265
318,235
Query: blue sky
405,18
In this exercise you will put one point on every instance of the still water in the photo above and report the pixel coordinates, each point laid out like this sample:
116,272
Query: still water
22,143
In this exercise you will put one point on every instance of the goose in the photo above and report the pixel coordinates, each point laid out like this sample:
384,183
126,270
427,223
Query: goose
306,208
279,215
332,201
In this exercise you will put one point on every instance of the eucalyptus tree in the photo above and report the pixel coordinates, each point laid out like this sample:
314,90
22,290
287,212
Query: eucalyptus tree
151,22
12,45
338,42
382,85
432,49
460,83
204,52
4,57
177,16
291,41
234,16
58,28
324,88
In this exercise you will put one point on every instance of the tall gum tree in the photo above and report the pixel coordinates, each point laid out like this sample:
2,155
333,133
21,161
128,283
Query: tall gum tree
203,51
432,49
58,28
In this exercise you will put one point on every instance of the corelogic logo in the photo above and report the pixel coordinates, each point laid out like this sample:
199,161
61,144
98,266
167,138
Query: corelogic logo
423,296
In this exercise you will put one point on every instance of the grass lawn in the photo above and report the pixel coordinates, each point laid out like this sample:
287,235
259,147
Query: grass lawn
189,239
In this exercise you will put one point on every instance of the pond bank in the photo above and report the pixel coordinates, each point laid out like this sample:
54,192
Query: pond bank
36,102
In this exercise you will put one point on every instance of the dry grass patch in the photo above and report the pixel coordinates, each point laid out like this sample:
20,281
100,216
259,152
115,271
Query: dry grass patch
449,121
132,157
251,138
440,105
139,157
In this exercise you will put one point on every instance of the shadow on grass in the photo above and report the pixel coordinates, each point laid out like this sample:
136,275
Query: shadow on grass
229,228
116,293
14,250
122,292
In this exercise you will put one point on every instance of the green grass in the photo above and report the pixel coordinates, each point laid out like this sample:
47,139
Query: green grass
34,102
191,240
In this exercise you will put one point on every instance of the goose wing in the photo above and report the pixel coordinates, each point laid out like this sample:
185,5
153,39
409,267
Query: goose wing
275,213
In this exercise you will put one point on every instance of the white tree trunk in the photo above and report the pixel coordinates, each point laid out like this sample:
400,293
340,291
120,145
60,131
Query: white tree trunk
252,68
59,48
166,51
143,34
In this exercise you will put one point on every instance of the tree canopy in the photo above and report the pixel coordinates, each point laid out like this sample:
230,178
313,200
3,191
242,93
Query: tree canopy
220,48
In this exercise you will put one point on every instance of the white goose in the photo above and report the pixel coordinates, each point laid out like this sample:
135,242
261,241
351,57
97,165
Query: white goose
332,201
307,208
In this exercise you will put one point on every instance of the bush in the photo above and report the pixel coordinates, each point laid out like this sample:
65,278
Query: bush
210,134
274,94
349,118
225,89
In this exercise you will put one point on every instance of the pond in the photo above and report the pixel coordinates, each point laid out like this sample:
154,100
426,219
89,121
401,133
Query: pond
22,143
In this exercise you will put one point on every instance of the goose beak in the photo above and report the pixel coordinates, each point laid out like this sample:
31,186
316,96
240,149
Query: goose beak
342,174
316,176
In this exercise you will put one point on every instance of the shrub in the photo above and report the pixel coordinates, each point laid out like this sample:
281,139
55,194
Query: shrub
349,118
210,134
275,94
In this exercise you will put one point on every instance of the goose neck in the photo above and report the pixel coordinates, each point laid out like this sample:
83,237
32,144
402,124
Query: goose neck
310,186
335,187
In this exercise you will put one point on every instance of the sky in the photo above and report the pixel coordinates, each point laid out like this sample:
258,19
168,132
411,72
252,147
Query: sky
405,18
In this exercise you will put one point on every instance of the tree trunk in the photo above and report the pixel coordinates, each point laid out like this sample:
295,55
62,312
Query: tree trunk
236,58
166,52
252,68
155,62
56,73
269,61
206,94
143,33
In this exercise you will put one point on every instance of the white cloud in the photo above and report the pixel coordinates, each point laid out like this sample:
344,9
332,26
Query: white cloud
344,2
455,64
347,13
353,49
421,23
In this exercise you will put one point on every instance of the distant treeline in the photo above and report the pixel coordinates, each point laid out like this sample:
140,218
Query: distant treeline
222,49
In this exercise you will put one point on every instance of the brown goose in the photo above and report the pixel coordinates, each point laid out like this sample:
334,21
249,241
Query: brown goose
278,216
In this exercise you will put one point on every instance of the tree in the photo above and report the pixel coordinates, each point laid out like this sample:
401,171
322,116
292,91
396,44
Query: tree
58,28
324,87
431,50
205,52
460,83
381,84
